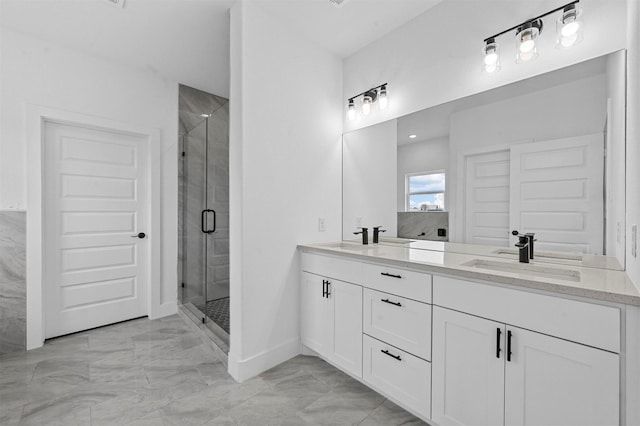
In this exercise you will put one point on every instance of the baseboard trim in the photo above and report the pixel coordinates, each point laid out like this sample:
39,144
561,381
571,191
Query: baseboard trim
164,310
244,369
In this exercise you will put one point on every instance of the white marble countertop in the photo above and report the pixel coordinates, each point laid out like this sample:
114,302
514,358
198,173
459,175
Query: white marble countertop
595,283
574,259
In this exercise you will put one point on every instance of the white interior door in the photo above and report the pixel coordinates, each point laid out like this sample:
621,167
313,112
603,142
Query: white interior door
557,192
96,202
550,381
486,204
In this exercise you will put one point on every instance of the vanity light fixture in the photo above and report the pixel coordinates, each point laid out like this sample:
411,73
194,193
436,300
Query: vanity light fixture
569,27
491,56
369,98
569,32
351,110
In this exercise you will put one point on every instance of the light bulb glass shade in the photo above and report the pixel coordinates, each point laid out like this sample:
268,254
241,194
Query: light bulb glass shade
366,105
383,101
491,57
351,110
569,28
526,49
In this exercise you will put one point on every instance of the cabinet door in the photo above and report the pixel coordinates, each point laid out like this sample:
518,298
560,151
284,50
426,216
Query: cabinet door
346,325
467,369
550,381
315,331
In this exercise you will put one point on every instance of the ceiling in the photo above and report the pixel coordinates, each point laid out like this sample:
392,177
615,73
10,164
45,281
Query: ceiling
187,41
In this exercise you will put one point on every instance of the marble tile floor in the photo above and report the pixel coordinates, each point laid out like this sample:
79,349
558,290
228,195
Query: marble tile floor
161,372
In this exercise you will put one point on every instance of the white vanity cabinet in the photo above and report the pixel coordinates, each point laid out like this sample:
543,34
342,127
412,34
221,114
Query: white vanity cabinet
332,320
490,371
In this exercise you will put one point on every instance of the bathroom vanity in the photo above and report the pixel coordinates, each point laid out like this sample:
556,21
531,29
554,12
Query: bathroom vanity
463,338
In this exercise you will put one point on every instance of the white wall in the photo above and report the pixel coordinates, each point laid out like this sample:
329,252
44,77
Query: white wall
436,57
369,179
285,173
423,156
36,72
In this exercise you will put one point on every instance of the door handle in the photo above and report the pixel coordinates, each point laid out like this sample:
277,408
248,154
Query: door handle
204,221
324,288
386,352
499,334
391,303
328,292
508,345
386,274
139,235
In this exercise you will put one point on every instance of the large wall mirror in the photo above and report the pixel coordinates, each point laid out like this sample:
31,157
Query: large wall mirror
543,155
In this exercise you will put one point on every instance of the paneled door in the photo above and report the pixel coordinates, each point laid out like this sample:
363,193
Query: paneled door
557,192
468,369
550,381
96,216
486,198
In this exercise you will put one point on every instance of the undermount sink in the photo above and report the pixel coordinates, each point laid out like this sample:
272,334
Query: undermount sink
526,269
392,240
543,255
348,246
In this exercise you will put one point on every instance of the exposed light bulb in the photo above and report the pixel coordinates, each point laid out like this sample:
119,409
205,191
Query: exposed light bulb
382,97
351,110
570,29
366,105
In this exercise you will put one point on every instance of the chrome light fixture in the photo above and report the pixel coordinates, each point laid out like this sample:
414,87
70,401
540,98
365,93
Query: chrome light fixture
491,56
526,39
569,27
351,110
369,98
569,32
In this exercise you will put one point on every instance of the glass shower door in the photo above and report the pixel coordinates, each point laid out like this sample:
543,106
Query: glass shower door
196,220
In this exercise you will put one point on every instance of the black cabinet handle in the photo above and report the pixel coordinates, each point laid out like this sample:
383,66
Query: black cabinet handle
386,274
328,292
386,352
508,345
498,350
324,287
390,302
203,220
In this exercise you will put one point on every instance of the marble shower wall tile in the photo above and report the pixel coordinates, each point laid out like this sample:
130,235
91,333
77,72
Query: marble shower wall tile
423,225
13,300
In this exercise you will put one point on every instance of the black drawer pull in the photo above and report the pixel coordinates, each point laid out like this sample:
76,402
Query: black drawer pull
386,352
498,350
390,302
386,274
508,345
328,288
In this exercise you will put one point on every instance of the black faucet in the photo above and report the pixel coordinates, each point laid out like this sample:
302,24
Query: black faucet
365,235
376,233
523,245
530,236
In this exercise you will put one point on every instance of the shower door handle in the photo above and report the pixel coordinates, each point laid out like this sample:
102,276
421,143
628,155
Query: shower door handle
204,222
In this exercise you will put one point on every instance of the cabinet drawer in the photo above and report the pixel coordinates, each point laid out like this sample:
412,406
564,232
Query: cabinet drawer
397,374
332,267
581,322
409,284
401,322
